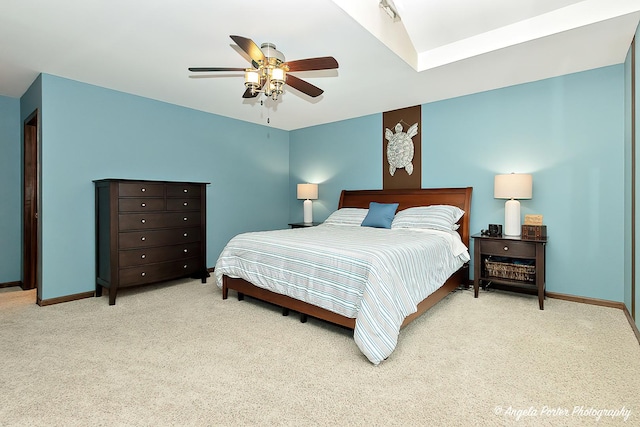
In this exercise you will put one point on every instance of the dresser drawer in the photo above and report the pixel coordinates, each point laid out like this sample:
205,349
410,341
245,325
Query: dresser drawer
143,256
183,190
140,189
507,248
183,204
140,205
172,236
147,221
157,272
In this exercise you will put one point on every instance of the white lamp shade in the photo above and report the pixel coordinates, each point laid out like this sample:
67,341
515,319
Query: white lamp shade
307,191
513,186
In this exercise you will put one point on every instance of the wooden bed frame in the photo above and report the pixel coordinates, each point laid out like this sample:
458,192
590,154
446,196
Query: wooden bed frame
460,197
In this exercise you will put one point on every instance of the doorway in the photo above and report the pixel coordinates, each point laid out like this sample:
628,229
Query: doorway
30,194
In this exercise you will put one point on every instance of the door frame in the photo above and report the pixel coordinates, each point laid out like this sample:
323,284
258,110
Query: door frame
31,229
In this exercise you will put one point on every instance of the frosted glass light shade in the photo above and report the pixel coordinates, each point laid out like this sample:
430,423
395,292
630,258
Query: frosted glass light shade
277,75
252,78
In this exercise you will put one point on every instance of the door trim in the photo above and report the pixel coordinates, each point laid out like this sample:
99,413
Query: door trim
31,231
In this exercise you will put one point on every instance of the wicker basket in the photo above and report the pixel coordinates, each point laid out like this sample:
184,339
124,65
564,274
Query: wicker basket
510,271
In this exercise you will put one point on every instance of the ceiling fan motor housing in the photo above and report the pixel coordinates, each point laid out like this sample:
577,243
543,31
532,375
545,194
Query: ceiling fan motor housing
270,52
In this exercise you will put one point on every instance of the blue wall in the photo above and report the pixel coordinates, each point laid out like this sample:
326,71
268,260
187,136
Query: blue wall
567,131
337,156
90,133
10,190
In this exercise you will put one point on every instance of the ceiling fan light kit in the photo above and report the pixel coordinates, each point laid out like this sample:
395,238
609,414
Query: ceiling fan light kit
270,71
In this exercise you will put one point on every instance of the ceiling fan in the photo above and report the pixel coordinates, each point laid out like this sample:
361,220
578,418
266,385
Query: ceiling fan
270,72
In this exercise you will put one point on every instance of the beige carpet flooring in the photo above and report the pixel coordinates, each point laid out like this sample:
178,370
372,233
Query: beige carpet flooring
177,354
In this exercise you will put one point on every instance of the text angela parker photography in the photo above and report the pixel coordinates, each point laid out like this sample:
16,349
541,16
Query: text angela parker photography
549,412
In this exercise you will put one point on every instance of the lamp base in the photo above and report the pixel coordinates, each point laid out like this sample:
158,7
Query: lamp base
512,218
308,211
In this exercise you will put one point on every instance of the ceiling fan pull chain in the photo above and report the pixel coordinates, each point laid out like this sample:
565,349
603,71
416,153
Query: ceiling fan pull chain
264,108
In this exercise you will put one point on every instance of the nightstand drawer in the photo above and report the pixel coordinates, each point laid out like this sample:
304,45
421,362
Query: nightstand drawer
507,248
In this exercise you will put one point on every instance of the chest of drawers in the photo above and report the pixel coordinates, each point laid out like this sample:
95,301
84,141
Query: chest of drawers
147,232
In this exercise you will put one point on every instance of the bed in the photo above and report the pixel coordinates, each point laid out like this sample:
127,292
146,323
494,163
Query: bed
379,302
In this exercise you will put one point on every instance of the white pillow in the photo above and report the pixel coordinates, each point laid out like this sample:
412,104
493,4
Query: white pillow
347,216
436,217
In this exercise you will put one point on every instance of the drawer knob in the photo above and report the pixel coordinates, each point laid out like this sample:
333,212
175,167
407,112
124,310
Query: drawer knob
143,238
143,220
184,219
143,256
186,250
143,274
185,190
143,189
506,248
144,205
184,266
185,204
185,234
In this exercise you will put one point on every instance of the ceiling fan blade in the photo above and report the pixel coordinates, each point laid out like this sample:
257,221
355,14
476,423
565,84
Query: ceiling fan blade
250,47
303,86
310,64
247,94
209,69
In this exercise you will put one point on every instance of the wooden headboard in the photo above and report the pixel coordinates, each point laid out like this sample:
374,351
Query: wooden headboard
460,197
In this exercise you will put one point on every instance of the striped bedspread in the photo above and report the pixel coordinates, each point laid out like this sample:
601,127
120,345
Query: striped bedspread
377,276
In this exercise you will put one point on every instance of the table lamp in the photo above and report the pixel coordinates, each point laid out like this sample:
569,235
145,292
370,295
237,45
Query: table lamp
512,186
308,192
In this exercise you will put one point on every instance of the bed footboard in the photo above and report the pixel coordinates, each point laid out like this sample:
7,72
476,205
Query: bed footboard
242,287
245,288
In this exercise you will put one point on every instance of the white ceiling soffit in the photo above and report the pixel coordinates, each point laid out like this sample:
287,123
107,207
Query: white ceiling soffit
434,33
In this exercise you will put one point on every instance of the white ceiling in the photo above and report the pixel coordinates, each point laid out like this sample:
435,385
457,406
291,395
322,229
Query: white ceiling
439,49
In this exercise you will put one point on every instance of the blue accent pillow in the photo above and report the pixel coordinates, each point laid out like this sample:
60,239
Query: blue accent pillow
380,215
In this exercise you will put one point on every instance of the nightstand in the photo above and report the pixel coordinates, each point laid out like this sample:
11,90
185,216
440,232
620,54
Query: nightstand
303,224
512,261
